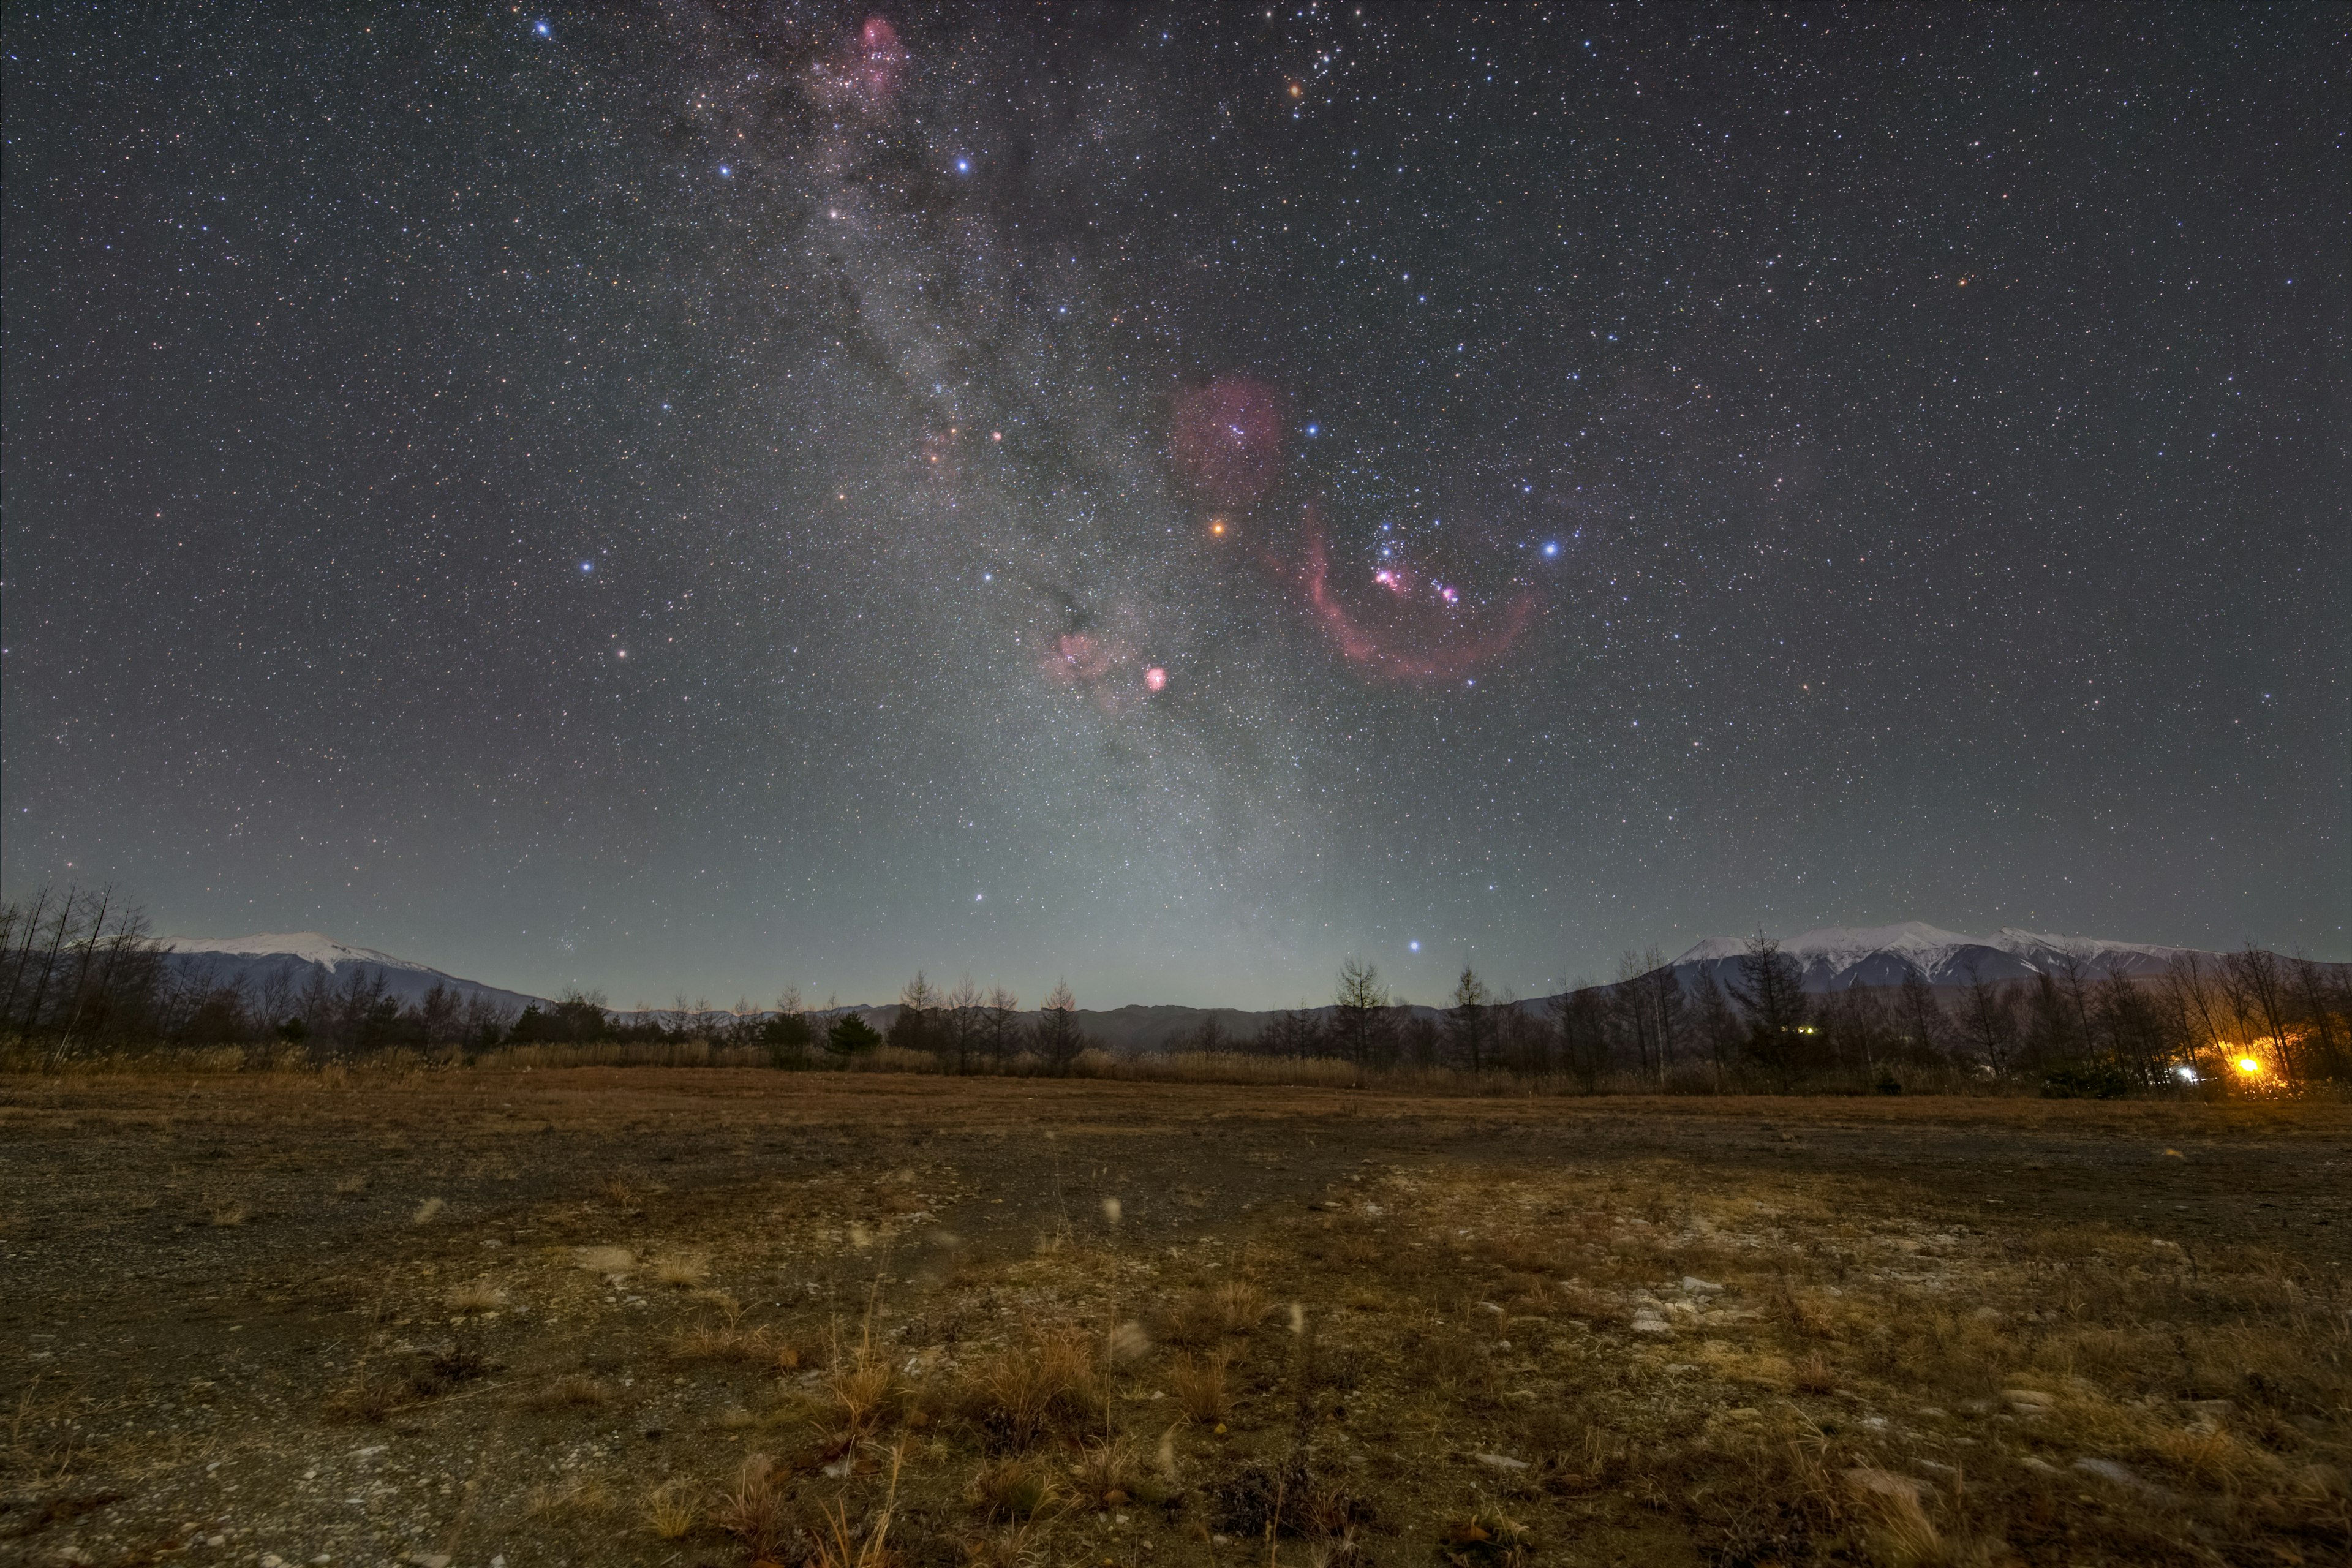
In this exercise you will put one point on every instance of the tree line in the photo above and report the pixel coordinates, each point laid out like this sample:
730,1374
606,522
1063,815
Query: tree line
80,972
2252,1018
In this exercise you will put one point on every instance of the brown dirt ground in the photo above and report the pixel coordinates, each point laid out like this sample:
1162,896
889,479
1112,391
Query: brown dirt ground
510,1319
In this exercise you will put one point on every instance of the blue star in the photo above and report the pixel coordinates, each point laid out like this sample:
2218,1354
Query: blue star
587,566
542,29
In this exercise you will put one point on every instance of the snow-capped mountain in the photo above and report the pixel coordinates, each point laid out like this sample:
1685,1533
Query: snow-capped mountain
1837,957
289,961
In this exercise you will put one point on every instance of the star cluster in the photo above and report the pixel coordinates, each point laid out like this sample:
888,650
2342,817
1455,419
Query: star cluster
725,495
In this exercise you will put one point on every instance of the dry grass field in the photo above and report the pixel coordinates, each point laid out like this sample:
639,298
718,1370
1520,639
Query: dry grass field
505,1318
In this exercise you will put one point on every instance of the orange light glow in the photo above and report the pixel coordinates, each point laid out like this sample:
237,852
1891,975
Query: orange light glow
2249,1065
1217,526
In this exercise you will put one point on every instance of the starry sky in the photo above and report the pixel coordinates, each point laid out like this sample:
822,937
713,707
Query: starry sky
692,498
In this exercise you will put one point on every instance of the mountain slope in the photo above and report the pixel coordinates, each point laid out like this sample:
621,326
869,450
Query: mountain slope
1837,957
269,963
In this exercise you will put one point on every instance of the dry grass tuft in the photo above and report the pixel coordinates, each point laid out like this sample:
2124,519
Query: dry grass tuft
862,1385
1234,1307
1486,1539
681,1270
581,1494
606,1260
479,1295
572,1391
1015,1546
1894,1516
231,1215
368,1401
754,1510
724,1342
1201,1386
1240,1306
671,1510
1015,1489
1018,1391
1106,1472
841,1545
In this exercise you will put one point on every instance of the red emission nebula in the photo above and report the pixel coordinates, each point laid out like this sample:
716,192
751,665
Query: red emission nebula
1226,440
1414,633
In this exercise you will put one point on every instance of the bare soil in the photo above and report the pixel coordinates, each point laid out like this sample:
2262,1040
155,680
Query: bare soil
619,1316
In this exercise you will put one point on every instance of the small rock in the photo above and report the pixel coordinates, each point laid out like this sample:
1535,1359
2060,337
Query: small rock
1646,1322
1501,1462
2118,1475
2039,1466
1692,1282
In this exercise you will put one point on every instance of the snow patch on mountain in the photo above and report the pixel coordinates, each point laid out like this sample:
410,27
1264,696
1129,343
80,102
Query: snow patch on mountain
309,946
1837,957
282,962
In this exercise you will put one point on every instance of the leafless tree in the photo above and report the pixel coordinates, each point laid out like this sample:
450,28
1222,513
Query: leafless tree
2323,1019
443,1014
1771,991
1920,1018
1004,1025
1718,1022
1468,1020
1581,1018
2258,992
1360,1015
1059,1038
961,1016
1990,1016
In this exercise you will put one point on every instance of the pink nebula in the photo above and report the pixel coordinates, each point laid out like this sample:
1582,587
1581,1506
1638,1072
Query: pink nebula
1228,440
867,71
1077,658
1416,638
1155,678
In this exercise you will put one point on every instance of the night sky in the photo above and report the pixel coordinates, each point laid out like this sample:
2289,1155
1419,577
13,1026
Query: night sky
691,499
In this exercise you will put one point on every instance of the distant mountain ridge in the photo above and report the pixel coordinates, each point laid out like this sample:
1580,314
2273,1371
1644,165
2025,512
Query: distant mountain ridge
1836,958
290,960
